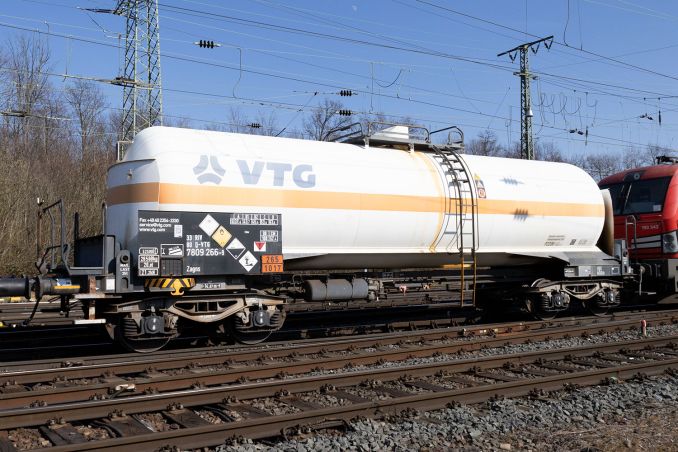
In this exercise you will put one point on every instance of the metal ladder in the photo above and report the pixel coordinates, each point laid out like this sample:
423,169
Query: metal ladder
461,215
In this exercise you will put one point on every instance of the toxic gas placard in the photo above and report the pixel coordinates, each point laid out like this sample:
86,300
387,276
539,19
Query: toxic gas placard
207,243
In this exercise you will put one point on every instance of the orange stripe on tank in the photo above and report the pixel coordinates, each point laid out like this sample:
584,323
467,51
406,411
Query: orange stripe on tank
165,193
123,194
238,196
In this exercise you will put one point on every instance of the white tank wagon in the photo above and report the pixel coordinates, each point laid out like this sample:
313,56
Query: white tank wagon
348,206
221,228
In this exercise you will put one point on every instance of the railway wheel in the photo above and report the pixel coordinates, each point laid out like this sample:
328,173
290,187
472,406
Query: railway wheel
255,326
597,309
250,336
134,339
603,303
534,306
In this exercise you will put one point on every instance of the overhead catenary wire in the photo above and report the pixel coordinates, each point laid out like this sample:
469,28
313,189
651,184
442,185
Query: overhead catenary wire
665,95
441,54
171,56
291,106
587,52
414,100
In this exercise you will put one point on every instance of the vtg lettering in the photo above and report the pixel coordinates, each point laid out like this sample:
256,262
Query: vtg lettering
302,175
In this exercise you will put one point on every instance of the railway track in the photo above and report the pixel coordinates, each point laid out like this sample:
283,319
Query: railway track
498,332
261,391
47,313
48,338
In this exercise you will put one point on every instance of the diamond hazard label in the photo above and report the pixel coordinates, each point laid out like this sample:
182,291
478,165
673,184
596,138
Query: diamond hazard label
259,247
209,225
248,261
221,236
235,249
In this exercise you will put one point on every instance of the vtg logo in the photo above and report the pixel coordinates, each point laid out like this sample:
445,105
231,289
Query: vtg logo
201,170
208,170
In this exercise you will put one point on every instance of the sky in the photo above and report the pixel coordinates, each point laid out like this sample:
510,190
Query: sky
611,70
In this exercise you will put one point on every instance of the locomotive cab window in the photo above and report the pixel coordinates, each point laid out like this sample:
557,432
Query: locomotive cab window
617,192
638,197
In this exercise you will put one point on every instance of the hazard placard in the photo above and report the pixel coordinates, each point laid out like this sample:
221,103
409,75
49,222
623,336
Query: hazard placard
173,244
248,261
209,224
272,263
236,248
272,259
221,236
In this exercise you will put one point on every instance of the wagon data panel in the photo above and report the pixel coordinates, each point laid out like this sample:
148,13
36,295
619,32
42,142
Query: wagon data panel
208,243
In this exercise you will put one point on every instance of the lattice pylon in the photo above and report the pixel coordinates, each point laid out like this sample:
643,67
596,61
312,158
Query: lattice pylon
141,79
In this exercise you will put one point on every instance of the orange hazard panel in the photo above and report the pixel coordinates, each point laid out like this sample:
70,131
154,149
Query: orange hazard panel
272,263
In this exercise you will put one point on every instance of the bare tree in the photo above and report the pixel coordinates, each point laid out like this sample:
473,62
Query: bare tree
513,151
600,166
324,119
267,122
262,124
238,121
653,151
87,104
548,151
180,122
41,153
486,143
25,85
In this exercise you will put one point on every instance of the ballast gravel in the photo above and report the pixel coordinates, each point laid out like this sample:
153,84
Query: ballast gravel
639,414
634,415
626,335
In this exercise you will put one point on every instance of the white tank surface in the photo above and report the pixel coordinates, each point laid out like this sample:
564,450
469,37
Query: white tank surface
353,206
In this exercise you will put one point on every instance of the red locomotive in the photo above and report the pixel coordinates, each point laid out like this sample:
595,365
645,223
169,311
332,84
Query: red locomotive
645,202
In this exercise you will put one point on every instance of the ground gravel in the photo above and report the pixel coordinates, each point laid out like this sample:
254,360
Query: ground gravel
638,414
626,335
634,415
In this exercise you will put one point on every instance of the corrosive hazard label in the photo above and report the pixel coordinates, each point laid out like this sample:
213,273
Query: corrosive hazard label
248,261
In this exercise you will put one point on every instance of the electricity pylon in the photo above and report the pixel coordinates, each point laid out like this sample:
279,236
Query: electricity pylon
141,81
526,146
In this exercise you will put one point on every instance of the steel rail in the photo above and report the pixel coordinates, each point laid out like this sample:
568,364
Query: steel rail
265,427
169,359
14,396
91,409
235,371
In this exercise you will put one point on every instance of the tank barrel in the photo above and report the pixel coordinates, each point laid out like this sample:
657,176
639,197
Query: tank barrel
15,287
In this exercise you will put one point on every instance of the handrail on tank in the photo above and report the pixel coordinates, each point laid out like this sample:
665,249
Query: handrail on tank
371,130
377,131
452,129
358,132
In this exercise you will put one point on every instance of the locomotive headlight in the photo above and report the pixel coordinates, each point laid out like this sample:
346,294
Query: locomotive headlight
670,242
